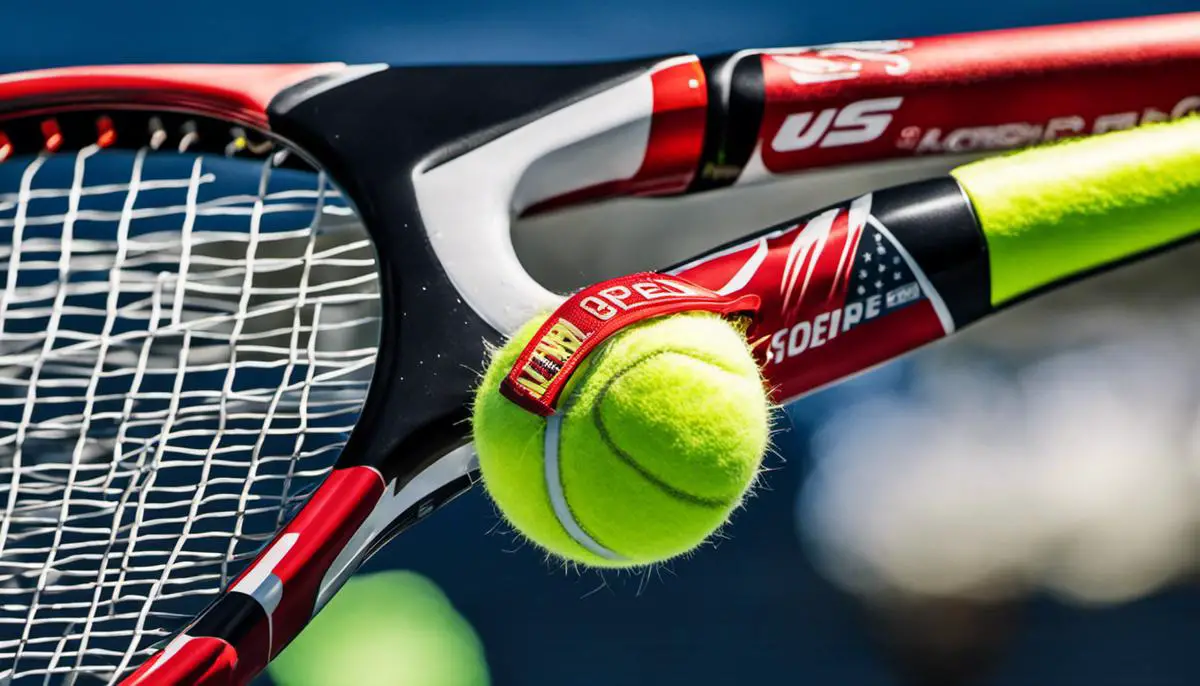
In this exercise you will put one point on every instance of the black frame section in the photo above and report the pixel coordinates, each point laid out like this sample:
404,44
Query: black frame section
418,406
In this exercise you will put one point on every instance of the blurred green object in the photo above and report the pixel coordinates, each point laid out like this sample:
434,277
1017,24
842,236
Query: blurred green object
392,628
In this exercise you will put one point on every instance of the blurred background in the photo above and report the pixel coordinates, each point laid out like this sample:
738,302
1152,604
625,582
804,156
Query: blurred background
1016,507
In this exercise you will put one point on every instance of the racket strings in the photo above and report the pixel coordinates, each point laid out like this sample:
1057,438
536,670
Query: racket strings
185,344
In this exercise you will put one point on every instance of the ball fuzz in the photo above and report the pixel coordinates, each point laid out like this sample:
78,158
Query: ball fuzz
657,438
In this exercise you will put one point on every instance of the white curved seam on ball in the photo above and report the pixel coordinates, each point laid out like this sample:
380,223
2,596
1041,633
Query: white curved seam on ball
558,499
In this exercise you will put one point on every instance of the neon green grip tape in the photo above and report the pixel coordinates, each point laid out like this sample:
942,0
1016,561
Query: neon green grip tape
1048,213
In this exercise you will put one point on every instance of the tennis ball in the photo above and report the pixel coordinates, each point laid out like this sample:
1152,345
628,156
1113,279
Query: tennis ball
382,629
658,437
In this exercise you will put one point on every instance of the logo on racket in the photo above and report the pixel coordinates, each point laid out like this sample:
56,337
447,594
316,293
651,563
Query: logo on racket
844,61
839,293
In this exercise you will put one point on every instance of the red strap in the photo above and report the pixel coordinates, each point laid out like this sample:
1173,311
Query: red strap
592,315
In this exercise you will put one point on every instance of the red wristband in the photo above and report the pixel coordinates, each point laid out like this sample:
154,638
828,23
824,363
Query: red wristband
594,314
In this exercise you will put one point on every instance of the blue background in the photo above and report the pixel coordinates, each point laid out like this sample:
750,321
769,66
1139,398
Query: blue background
751,610
73,31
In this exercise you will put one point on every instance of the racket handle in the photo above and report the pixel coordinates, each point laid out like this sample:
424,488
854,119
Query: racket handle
1057,212
867,281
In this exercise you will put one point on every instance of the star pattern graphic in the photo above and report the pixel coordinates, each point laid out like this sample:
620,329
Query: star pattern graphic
891,272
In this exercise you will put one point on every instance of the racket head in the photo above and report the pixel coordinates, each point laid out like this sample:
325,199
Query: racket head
274,357
191,321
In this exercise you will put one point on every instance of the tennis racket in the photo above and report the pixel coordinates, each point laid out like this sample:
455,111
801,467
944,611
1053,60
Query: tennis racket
244,307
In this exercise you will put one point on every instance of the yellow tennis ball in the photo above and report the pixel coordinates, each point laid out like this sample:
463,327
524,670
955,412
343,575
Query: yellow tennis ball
383,629
657,439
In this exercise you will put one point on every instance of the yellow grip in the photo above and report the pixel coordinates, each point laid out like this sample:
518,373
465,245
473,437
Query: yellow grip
1051,212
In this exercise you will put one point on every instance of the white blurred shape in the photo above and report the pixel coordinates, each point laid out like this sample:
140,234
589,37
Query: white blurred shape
1056,447
1113,486
914,499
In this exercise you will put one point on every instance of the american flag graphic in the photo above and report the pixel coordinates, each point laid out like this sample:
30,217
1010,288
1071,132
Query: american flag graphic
879,270
839,295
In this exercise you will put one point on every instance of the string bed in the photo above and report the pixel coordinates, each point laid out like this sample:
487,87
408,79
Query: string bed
186,342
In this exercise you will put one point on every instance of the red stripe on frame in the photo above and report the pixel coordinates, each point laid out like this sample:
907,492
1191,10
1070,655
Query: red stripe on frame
674,146
676,130
238,92
201,661
325,526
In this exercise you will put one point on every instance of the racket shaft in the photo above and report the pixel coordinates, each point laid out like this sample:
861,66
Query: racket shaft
786,111
864,282
757,115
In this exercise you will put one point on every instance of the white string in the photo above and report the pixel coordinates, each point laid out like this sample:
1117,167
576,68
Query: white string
185,344
114,283
64,269
10,287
